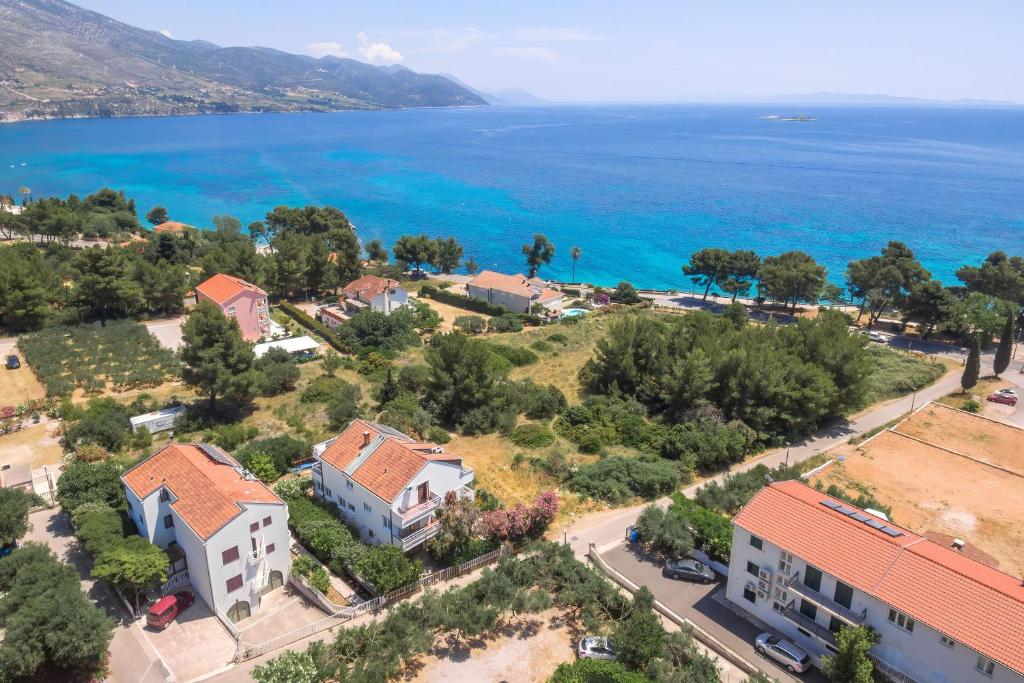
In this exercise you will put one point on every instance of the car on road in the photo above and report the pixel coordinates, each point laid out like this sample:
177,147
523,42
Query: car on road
877,337
786,653
1006,399
164,610
688,570
13,363
596,647
1007,392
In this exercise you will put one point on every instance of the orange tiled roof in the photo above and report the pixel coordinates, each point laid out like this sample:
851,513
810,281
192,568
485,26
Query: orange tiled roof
961,598
170,226
369,286
391,466
208,493
518,284
223,288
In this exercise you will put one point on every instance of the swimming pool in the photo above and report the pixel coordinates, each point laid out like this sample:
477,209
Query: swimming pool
573,312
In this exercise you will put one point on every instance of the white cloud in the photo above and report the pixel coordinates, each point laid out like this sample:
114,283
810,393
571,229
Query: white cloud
166,32
319,50
545,54
379,52
554,34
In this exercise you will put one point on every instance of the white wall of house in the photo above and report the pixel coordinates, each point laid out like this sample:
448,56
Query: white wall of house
513,302
920,653
386,302
149,515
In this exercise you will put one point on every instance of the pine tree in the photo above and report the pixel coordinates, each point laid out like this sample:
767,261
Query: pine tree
216,360
972,368
1002,359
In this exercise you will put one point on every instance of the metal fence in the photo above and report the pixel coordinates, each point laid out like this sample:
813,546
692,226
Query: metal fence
244,651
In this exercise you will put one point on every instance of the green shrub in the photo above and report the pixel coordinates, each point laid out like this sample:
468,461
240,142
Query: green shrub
277,372
971,406
542,346
591,443
625,293
616,479
374,363
369,330
414,378
307,321
437,435
506,322
142,438
736,489
325,389
470,324
319,529
712,531
104,422
532,436
558,338
516,355
387,568
281,452
595,671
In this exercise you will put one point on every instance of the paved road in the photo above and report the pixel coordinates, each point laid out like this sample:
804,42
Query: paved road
701,604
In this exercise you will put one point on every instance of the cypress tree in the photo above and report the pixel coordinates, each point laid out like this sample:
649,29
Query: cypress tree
1002,359
972,368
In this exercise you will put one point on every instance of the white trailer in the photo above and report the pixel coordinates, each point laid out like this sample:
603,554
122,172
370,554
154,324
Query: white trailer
158,421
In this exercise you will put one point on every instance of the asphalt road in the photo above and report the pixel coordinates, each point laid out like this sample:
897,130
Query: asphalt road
701,604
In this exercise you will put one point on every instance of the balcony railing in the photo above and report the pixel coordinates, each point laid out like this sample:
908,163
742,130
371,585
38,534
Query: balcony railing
415,512
808,624
794,585
420,536
891,671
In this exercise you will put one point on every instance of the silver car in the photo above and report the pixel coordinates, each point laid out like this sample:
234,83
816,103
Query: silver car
786,653
596,647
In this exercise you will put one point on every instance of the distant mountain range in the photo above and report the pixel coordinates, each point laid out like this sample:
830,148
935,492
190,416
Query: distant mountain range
509,96
60,60
859,98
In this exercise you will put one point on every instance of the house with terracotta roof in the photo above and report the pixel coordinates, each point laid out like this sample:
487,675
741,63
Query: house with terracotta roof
387,484
517,292
369,292
238,299
805,565
225,532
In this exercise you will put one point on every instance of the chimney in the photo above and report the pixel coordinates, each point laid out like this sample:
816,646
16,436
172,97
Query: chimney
366,439
958,544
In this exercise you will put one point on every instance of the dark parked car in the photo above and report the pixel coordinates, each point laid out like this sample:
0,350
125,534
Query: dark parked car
167,608
13,363
999,397
688,570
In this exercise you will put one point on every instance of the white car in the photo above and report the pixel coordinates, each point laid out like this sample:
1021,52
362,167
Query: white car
877,337
1007,392
786,653
596,647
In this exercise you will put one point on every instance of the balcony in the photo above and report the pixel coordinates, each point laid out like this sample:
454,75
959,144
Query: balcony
413,513
420,536
794,585
891,671
808,624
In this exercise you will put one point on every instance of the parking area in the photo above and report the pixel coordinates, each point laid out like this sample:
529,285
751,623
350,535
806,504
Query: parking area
282,611
167,332
194,644
702,604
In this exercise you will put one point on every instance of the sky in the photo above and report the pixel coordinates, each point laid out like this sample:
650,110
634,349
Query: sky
638,50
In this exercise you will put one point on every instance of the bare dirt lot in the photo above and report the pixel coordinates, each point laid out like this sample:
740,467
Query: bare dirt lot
931,489
21,385
37,445
528,653
450,313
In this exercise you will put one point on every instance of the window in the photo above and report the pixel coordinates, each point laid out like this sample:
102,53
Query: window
351,507
812,578
349,484
749,594
131,510
317,486
370,533
367,508
778,607
229,555
327,492
844,594
254,546
832,648
270,548
808,609
901,620
786,563
834,624
756,542
267,521
232,310
985,666
804,632
234,583
254,527
341,503
164,496
781,595
752,568
948,642
168,521
386,521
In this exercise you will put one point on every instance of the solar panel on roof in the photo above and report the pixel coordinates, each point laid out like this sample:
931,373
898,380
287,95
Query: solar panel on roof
845,510
831,504
215,453
875,524
890,531
859,517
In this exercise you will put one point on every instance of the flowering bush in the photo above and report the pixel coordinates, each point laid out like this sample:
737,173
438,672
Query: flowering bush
522,522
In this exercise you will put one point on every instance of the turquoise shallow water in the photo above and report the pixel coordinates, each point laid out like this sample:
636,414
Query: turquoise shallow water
637,187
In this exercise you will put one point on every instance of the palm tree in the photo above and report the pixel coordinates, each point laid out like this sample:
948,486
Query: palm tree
575,254
26,193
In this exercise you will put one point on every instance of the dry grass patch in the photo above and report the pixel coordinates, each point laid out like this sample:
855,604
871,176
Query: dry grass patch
21,385
37,445
993,442
449,313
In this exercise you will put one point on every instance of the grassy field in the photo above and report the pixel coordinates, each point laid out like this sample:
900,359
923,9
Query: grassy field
21,385
898,373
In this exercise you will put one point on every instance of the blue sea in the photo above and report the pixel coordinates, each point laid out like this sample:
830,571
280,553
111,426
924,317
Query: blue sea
638,188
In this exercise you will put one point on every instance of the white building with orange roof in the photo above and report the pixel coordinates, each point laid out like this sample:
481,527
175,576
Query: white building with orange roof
517,292
238,299
226,531
386,484
807,565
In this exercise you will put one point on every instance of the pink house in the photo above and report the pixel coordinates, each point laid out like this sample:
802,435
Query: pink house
243,301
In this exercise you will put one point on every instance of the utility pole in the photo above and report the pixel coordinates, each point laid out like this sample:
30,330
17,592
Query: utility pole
787,453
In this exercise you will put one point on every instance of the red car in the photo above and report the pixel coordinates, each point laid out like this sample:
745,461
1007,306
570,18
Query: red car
1008,399
167,608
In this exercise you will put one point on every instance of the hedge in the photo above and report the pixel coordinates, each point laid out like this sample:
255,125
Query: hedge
312,324
461,301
